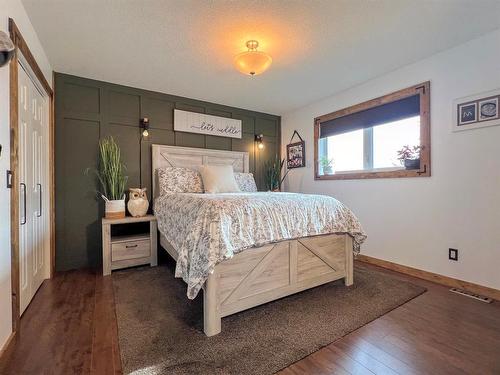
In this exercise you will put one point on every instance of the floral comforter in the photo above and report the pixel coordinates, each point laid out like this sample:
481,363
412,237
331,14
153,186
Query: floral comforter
205,229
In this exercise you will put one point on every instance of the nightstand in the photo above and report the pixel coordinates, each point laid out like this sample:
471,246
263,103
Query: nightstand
128,242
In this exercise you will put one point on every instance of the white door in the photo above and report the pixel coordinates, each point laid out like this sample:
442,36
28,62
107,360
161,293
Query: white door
33,178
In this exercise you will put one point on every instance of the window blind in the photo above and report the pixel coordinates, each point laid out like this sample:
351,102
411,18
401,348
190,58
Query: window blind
382,114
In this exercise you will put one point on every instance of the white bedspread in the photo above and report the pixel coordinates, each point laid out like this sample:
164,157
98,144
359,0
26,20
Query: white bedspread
205,229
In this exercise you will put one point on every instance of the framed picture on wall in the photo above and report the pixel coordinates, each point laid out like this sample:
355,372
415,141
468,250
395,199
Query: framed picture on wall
467,113
476,111
488,109
296,155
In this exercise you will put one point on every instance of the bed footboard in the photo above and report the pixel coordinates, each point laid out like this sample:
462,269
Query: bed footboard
273,271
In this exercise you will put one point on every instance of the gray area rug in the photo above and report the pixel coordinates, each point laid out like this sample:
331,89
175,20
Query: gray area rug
160,330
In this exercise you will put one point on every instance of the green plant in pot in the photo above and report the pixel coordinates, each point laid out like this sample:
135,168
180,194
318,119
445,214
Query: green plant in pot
326,165
112,179
410,157
273,170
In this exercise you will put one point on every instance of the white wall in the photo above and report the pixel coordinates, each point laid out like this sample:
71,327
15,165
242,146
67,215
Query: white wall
15,10
414,221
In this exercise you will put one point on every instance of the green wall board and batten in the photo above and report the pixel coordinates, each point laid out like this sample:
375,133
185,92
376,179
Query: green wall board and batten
87,110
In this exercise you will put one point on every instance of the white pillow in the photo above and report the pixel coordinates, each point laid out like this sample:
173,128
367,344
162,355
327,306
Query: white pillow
219,179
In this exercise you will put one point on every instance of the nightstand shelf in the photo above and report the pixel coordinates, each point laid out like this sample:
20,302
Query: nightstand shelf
127,238
122,251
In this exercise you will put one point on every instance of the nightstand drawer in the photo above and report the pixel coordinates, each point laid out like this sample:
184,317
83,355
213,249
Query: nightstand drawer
130,250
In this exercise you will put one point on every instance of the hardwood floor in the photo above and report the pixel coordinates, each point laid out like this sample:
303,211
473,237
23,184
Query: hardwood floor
70,328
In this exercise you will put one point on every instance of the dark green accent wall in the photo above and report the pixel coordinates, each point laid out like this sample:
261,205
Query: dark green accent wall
87,110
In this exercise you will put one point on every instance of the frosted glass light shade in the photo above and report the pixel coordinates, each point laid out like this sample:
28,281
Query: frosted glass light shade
252,62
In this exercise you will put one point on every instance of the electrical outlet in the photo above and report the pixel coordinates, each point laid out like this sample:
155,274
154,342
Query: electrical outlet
452,254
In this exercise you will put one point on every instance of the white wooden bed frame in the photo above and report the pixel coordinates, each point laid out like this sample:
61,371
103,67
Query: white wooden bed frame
264,273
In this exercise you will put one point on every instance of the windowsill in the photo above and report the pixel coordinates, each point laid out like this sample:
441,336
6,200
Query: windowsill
390,169
396,172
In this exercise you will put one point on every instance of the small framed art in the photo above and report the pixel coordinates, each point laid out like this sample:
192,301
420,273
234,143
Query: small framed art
295,155
488,109
296,152
467,113
477,111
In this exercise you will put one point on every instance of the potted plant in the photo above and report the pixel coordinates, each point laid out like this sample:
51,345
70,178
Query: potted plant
272,174
410,157
326,165
112,179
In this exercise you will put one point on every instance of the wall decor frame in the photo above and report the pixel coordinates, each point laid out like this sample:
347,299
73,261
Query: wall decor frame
296,153
476,111
200,123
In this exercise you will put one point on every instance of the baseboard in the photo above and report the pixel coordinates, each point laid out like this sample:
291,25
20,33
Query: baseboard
434,277
7,343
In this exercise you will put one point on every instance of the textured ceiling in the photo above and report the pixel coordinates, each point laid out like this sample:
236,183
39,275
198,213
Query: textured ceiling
187,47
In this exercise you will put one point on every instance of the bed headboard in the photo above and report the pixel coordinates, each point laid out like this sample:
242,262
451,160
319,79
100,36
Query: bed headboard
194,158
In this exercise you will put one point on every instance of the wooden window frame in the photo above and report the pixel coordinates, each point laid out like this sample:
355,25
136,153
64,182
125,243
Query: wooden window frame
22,47
423,89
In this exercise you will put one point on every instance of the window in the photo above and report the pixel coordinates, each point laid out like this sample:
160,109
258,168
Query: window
384,137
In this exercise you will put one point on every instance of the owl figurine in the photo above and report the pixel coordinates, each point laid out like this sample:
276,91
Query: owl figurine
138,203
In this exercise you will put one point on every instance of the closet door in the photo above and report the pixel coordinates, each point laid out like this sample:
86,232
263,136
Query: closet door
37,164
25,181
33,226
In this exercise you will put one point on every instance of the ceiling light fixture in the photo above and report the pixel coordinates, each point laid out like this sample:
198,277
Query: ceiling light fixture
252,62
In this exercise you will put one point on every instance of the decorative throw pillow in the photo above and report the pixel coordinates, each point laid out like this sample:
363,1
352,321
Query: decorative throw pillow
245,182
219,179
179,180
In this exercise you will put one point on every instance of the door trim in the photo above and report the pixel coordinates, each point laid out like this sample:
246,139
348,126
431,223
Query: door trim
22,47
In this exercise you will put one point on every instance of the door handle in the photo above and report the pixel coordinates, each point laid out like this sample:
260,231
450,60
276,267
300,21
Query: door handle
130,246
40,200
23,185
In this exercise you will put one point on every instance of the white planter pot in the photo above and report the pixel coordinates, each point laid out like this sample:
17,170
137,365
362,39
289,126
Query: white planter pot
115,209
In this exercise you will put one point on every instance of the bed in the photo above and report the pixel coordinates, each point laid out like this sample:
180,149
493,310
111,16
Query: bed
236,269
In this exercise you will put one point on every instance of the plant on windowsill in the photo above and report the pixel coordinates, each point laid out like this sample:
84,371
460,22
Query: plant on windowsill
112,179
272,174
326,165
410,157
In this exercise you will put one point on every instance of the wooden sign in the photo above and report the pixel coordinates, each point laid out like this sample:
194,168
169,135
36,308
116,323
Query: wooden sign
200,123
